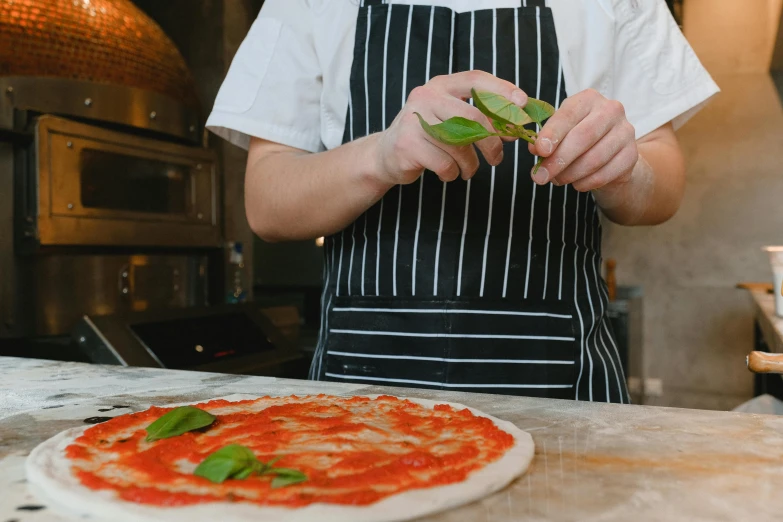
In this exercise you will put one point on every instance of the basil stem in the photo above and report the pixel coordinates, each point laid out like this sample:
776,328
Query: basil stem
506,117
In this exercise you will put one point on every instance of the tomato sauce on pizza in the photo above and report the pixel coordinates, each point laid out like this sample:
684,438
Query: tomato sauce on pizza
354,451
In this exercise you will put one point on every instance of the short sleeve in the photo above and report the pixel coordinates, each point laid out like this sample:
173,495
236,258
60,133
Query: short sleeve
273,87
657,76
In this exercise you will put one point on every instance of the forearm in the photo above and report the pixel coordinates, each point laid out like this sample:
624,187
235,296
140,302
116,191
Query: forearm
293,195
652,193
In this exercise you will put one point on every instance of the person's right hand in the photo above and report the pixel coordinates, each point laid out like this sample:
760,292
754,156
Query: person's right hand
403,151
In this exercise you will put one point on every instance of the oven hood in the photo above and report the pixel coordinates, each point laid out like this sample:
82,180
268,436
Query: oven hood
102,60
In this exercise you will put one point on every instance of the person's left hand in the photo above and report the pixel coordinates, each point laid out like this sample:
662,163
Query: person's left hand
588,143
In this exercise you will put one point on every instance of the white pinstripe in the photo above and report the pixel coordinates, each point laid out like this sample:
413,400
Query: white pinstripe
516,158
617,354
451,311
396,241
562,250
605,299
535,159
445,359
364,251
350,262
402,104
565,204
576,302
592,311
467,191
592,331
340,265
451,385
380,333
492,175
378,255
445,185
551,191
421,179
620,381
383,124
367,127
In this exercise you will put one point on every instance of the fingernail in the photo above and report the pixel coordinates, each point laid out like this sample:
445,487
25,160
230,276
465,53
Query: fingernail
499,159
541,177
555,182
519,97
546,145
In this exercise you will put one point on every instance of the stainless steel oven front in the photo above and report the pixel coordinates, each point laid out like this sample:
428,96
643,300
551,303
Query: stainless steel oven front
97,187
106,220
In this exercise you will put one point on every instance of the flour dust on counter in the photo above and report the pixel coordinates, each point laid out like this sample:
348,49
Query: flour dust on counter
284,458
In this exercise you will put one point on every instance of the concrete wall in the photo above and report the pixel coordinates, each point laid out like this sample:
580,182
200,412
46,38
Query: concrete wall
697,326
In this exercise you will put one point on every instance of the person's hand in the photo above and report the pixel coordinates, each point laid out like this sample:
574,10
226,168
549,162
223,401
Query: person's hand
403,151
587,143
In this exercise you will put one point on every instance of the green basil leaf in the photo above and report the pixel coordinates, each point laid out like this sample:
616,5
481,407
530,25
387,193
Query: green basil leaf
232,461
281,481
178,421
538,110
286,472
499,108
242,475
456,131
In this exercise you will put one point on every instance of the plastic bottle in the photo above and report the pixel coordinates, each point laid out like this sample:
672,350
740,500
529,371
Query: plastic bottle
237,290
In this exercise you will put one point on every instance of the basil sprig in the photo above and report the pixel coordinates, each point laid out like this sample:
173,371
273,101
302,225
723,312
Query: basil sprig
238,462
507,118
178,421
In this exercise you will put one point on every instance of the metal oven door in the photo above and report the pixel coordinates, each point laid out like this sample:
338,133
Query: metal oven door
101,187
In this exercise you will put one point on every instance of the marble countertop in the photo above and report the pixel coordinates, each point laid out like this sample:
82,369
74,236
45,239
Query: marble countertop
771,325
594,462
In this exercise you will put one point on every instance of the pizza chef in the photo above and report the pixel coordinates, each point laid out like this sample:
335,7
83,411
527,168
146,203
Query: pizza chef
454,267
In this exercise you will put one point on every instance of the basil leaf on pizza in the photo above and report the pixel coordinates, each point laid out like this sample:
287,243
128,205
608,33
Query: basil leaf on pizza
238,462
232,461
286,477
178,421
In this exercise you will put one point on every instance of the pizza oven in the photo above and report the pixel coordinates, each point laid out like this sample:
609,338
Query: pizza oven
109,200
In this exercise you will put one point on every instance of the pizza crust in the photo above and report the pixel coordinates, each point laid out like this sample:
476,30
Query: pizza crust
49,473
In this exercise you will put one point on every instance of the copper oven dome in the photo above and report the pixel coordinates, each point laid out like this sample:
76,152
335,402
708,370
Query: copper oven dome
103,41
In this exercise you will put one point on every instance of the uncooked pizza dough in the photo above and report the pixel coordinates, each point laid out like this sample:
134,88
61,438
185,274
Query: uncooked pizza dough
49,473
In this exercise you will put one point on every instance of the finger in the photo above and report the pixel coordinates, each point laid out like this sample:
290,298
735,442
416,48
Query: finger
460,84
445,107
569,115
597,156
580,139
465,157
621,165
431,157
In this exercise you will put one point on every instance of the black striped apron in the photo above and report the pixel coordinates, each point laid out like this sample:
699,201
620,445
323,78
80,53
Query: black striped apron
491,285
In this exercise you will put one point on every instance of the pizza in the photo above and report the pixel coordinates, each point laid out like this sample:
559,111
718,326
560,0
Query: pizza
291,458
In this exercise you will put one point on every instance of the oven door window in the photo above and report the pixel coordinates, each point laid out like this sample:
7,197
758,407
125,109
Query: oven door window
112,181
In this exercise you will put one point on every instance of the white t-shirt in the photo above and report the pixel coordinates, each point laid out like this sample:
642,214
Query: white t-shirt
289,81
